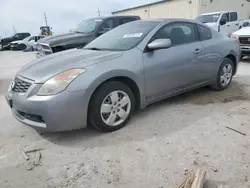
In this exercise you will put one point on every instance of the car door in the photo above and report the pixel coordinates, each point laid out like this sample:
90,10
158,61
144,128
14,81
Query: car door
209,55
225,29
234,24
175,68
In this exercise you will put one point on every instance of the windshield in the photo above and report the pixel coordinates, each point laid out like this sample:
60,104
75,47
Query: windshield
124,37
88,26
211,18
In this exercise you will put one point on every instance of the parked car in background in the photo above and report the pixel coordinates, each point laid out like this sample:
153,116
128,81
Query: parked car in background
84,33
25,43
243,38
225,22
127,68
5,42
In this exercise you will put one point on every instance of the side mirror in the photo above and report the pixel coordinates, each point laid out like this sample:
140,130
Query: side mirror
223,22
100,33
105,30
159,44
245,24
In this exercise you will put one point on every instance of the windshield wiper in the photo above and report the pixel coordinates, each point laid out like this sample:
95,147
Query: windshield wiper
94,48
79,32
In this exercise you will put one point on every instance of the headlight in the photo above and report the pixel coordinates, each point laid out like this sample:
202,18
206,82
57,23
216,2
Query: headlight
234,36
59,82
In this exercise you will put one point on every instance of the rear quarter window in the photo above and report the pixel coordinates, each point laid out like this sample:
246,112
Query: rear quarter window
204,33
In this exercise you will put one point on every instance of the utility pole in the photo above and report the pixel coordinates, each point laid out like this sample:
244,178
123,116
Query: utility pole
45,18
99,14
14,29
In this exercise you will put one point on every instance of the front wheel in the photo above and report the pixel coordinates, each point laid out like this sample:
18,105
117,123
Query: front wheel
111,106
22,47
225,75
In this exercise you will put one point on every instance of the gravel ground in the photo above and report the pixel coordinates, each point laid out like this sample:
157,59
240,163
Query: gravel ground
153,151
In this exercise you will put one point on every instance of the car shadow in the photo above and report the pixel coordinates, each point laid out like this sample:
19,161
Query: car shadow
160,119
246,59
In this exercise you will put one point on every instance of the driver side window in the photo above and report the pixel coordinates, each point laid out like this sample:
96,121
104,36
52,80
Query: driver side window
107,25
17,36
225,17
178,33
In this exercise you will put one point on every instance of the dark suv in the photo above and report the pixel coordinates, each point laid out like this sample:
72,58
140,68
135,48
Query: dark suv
5,42
84,33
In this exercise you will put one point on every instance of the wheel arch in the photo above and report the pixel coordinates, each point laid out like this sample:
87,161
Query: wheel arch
234,60
130,82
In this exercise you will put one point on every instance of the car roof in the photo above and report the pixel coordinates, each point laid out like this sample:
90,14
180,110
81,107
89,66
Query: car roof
160,20
209,13
106,17
22,33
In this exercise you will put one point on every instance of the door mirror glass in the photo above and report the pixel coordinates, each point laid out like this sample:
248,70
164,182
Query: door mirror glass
245,24
223,22
160,44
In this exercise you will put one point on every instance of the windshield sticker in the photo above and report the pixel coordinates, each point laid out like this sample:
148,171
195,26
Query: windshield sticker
133,35
98,20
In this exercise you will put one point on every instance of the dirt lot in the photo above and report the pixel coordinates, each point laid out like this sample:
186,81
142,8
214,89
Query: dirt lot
153,151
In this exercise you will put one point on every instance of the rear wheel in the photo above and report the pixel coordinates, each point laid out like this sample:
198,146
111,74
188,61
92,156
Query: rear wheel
111,106
225,75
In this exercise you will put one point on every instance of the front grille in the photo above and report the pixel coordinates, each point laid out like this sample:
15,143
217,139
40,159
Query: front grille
244,40
20,86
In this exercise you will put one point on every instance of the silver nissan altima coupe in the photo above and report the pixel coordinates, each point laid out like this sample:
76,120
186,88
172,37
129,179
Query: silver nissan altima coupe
127,68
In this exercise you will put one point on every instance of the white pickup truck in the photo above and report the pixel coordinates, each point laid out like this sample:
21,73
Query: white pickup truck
225,22
243,38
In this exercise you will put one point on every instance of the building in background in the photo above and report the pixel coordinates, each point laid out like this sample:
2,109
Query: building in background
187,8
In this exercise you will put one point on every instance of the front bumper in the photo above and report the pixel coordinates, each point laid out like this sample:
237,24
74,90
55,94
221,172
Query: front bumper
43,50
62,112
245,50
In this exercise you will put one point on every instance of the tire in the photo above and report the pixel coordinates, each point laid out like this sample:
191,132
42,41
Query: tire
22,47
105,112
221,85
242,57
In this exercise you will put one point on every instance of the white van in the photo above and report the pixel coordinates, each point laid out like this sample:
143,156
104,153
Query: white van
225,22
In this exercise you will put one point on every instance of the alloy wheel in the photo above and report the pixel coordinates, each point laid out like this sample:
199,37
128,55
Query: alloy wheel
226,75
115,108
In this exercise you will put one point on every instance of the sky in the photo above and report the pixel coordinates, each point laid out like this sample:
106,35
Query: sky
28,15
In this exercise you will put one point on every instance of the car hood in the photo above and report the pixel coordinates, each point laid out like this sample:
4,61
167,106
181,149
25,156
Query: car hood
62,39
15,42
244,31
44,68
210,24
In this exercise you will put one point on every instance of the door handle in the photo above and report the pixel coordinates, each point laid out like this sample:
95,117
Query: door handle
197,51
228,25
